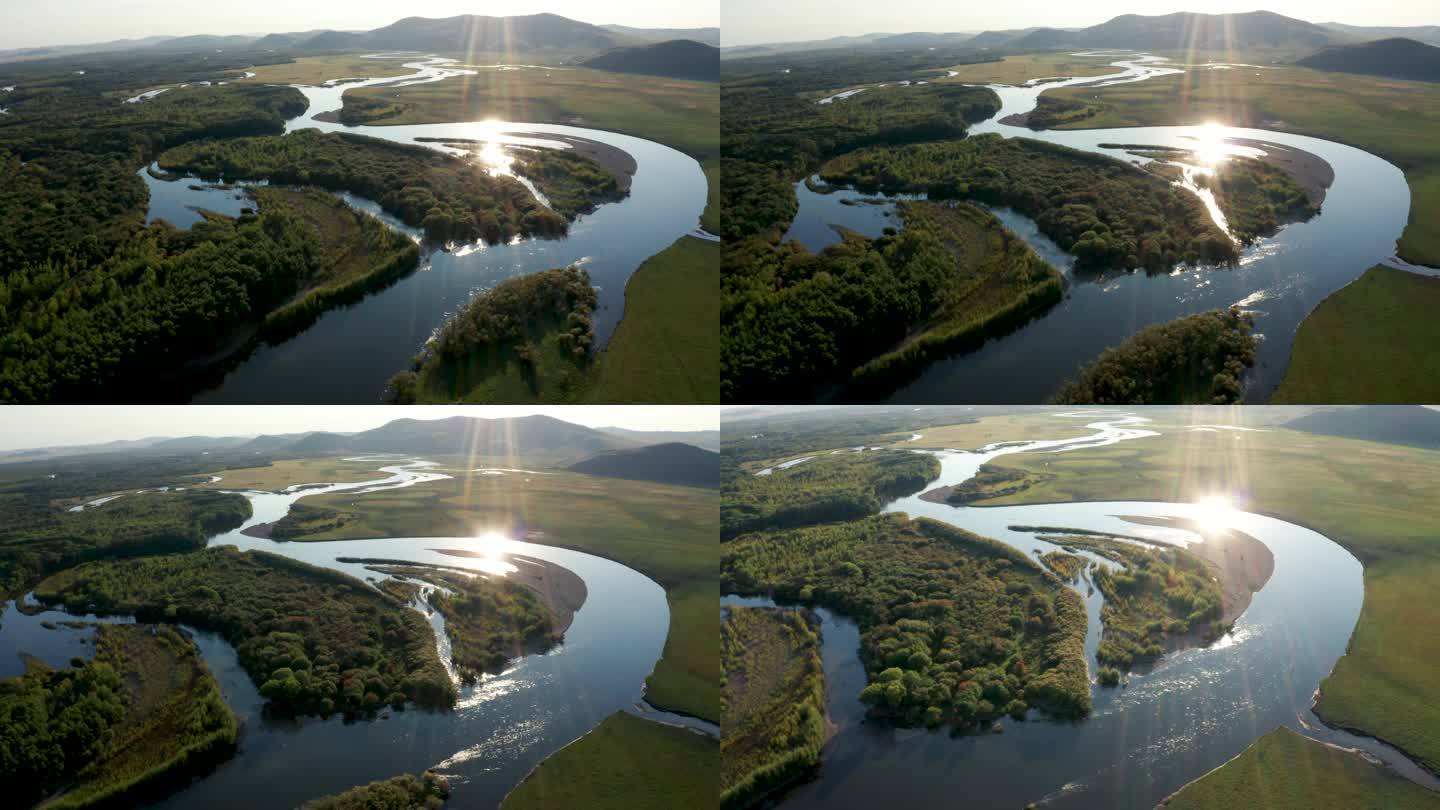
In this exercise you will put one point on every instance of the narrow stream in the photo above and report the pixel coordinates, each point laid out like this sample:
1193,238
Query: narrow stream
500,729
349,353
1280,279
1189,713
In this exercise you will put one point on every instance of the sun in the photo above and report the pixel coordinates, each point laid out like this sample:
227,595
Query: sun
1215,513
1210,146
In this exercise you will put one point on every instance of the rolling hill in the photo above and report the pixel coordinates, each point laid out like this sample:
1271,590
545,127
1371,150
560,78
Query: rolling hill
1425,33
672,463
676,59
709,36
1187,31
1413,425
1393,58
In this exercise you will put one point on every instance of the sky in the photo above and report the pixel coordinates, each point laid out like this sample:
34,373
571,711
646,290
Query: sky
27,426
32,23
749,22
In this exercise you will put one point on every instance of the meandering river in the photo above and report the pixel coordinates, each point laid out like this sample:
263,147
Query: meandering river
1191,712
1280,279
348,354
499,730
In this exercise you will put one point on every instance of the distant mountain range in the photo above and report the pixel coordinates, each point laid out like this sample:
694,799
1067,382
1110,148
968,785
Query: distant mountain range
1413,425
519,437
1424,33
677,59
1395,58
468,33
672,463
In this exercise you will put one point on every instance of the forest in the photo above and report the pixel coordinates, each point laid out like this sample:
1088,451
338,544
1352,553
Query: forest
864,315
528,339
145,709
450,197
1156,594
428,792
314,641
829,487
1257,198
1107,213
955,629
773,699
574,184
1196,360
36,542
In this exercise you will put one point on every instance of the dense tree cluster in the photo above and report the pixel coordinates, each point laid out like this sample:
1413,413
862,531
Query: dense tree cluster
827,488
865,314
955,628
574,184
314,641
538,326
1257,198
1106,212
429,792
1198,359
1155,594
38,542
773,699
132,320
450,197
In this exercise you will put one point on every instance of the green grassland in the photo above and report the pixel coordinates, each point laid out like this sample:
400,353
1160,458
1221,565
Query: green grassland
316,70
1284,769
146,709
667,347
1376,500
626,763
955,628
1020,68
666,532
1371,341
774,700
1392,118
288,472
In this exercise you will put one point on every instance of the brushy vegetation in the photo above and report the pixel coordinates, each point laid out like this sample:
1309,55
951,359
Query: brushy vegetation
1066,566
314,641
303,519
429,792
1197,359
626,763
867,314
1369,341
773,697
1257,198
1105,212
574,184
955,628
827,488
146,709
990,482
1159,594
38,538
526,340
450,197
1284,769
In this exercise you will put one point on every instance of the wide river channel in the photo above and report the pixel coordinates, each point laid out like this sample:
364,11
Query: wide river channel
1189,713
349,353
1280,279
500,728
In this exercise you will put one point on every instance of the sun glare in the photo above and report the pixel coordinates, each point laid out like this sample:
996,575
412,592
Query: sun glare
1210,143
1216,512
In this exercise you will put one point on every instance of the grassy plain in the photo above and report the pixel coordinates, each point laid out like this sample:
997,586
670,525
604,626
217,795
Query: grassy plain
626,763
666,532
1371,341
288,472
1284,769
1376,500
1002,428
1018,69
315,70
667,347
1392,118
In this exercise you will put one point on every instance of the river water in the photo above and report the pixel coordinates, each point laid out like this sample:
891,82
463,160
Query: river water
1192,711
349,353
1280,279
500,729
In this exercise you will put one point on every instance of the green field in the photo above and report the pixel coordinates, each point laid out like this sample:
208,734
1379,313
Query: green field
666,532
315,70
291,471
626,763
666,349
1284,769
1371,341
1392,118
1020,68
1376,500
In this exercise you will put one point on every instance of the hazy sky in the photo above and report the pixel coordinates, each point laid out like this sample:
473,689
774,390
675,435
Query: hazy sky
30,23
54,426
747,22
